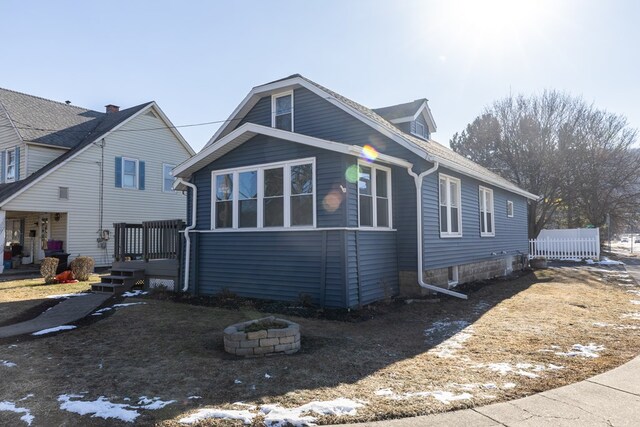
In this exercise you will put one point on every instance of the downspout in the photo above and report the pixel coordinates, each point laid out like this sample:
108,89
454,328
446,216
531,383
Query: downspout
187,259
418,181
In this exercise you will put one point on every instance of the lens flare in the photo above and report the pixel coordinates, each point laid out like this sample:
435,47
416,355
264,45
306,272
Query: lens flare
369,153
333,200
351,174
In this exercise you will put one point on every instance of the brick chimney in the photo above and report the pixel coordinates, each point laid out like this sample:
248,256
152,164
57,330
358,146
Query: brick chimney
112,108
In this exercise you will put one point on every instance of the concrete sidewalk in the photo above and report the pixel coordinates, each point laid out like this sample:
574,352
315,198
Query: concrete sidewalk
67,311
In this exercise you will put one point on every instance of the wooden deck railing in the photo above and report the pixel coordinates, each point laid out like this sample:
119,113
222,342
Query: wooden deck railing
149,240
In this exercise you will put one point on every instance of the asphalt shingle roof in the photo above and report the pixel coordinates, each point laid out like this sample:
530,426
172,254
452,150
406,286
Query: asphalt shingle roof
56,124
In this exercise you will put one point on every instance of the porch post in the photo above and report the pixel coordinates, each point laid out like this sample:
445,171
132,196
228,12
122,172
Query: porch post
3,234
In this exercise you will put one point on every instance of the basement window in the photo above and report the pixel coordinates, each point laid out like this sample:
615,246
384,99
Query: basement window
453,275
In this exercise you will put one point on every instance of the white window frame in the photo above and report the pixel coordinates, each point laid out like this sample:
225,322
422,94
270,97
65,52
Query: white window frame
482,198
274,97
452,275
235,172
6,164
374,196
449,179
420,134
137,176
164,166
509,209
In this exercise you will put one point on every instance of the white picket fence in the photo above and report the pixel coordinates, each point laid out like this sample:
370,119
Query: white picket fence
565,248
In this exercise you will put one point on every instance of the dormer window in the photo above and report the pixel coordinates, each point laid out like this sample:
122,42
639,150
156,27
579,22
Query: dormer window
420,130
10,165
282,111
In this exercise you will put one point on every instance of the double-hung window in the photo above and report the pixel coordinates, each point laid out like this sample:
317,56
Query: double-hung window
282,111
265,196
129,173
167,179
10,165
486,212
450,212
374,196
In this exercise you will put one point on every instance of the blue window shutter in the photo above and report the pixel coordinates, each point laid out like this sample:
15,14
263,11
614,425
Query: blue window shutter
118,172
141,177
17,163
2,154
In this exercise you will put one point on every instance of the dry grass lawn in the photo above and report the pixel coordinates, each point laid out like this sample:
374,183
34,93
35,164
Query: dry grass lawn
507,341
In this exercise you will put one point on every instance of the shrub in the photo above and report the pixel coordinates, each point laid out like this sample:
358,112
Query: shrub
48,268
82,267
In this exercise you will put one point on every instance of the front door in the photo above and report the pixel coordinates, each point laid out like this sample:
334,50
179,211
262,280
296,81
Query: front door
43,236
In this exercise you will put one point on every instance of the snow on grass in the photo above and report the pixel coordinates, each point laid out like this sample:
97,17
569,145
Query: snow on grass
607,261
578,350
508,386
81,294
634,316
102,408
620,327
194,397
442,396
7,364
460,330
635,301
633,291
114,306
135,293
11,407
277,416
523,369
56,329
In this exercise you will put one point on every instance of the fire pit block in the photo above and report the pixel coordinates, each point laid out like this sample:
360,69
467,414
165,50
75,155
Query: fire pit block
273,340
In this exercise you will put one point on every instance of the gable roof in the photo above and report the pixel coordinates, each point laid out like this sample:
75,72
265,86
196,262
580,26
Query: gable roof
42,121
400,110
426,149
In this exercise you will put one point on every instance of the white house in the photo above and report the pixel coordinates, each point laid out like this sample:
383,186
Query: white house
67,174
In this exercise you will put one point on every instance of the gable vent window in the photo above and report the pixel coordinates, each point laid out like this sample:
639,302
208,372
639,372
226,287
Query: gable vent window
63,193
420,131
282,111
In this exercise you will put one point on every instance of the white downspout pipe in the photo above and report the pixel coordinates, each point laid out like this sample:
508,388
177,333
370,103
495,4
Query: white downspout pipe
187,259
418,180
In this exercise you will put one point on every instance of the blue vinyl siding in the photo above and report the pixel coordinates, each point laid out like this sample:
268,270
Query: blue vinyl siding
273,265
510,233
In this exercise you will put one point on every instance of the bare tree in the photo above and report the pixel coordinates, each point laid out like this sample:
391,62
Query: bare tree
576,157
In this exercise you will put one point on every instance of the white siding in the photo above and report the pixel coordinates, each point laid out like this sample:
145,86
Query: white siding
37,156
82,176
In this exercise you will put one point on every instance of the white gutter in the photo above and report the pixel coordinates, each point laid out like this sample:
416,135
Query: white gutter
418,180
187,259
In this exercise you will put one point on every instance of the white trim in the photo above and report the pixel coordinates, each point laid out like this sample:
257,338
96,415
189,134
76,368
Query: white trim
170,125
374,197
416,133
454,276
47,145
484,209
450,179
83,149
137,175
259,169
249,130
510,203
281,229
274,99
170,166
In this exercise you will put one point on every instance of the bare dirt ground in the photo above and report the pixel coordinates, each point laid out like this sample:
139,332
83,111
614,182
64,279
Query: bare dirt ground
511,338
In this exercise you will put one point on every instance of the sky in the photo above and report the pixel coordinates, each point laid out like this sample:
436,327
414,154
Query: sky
199,59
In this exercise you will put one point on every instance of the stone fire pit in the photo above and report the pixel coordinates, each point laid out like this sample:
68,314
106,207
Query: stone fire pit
262,337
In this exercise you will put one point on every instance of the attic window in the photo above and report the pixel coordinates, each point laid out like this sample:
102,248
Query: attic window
420,130
282,111
63,193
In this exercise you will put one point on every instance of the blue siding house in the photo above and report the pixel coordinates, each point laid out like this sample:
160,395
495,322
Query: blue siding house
305,192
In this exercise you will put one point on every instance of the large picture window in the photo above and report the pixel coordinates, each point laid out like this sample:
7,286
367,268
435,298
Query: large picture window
374,196
486,212
450,212
265,196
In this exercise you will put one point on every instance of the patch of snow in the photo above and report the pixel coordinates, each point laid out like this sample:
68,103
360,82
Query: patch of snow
228,414
445,397
56,329
596,324
507,386
589,261
449,347
194,397
590,351
127,304
524,369
26,397
81,294
633,291
634,316
267,376
237,382
384,392
11,407
635,301
135,293
102,408
607,261
153,404
7,364
246,405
